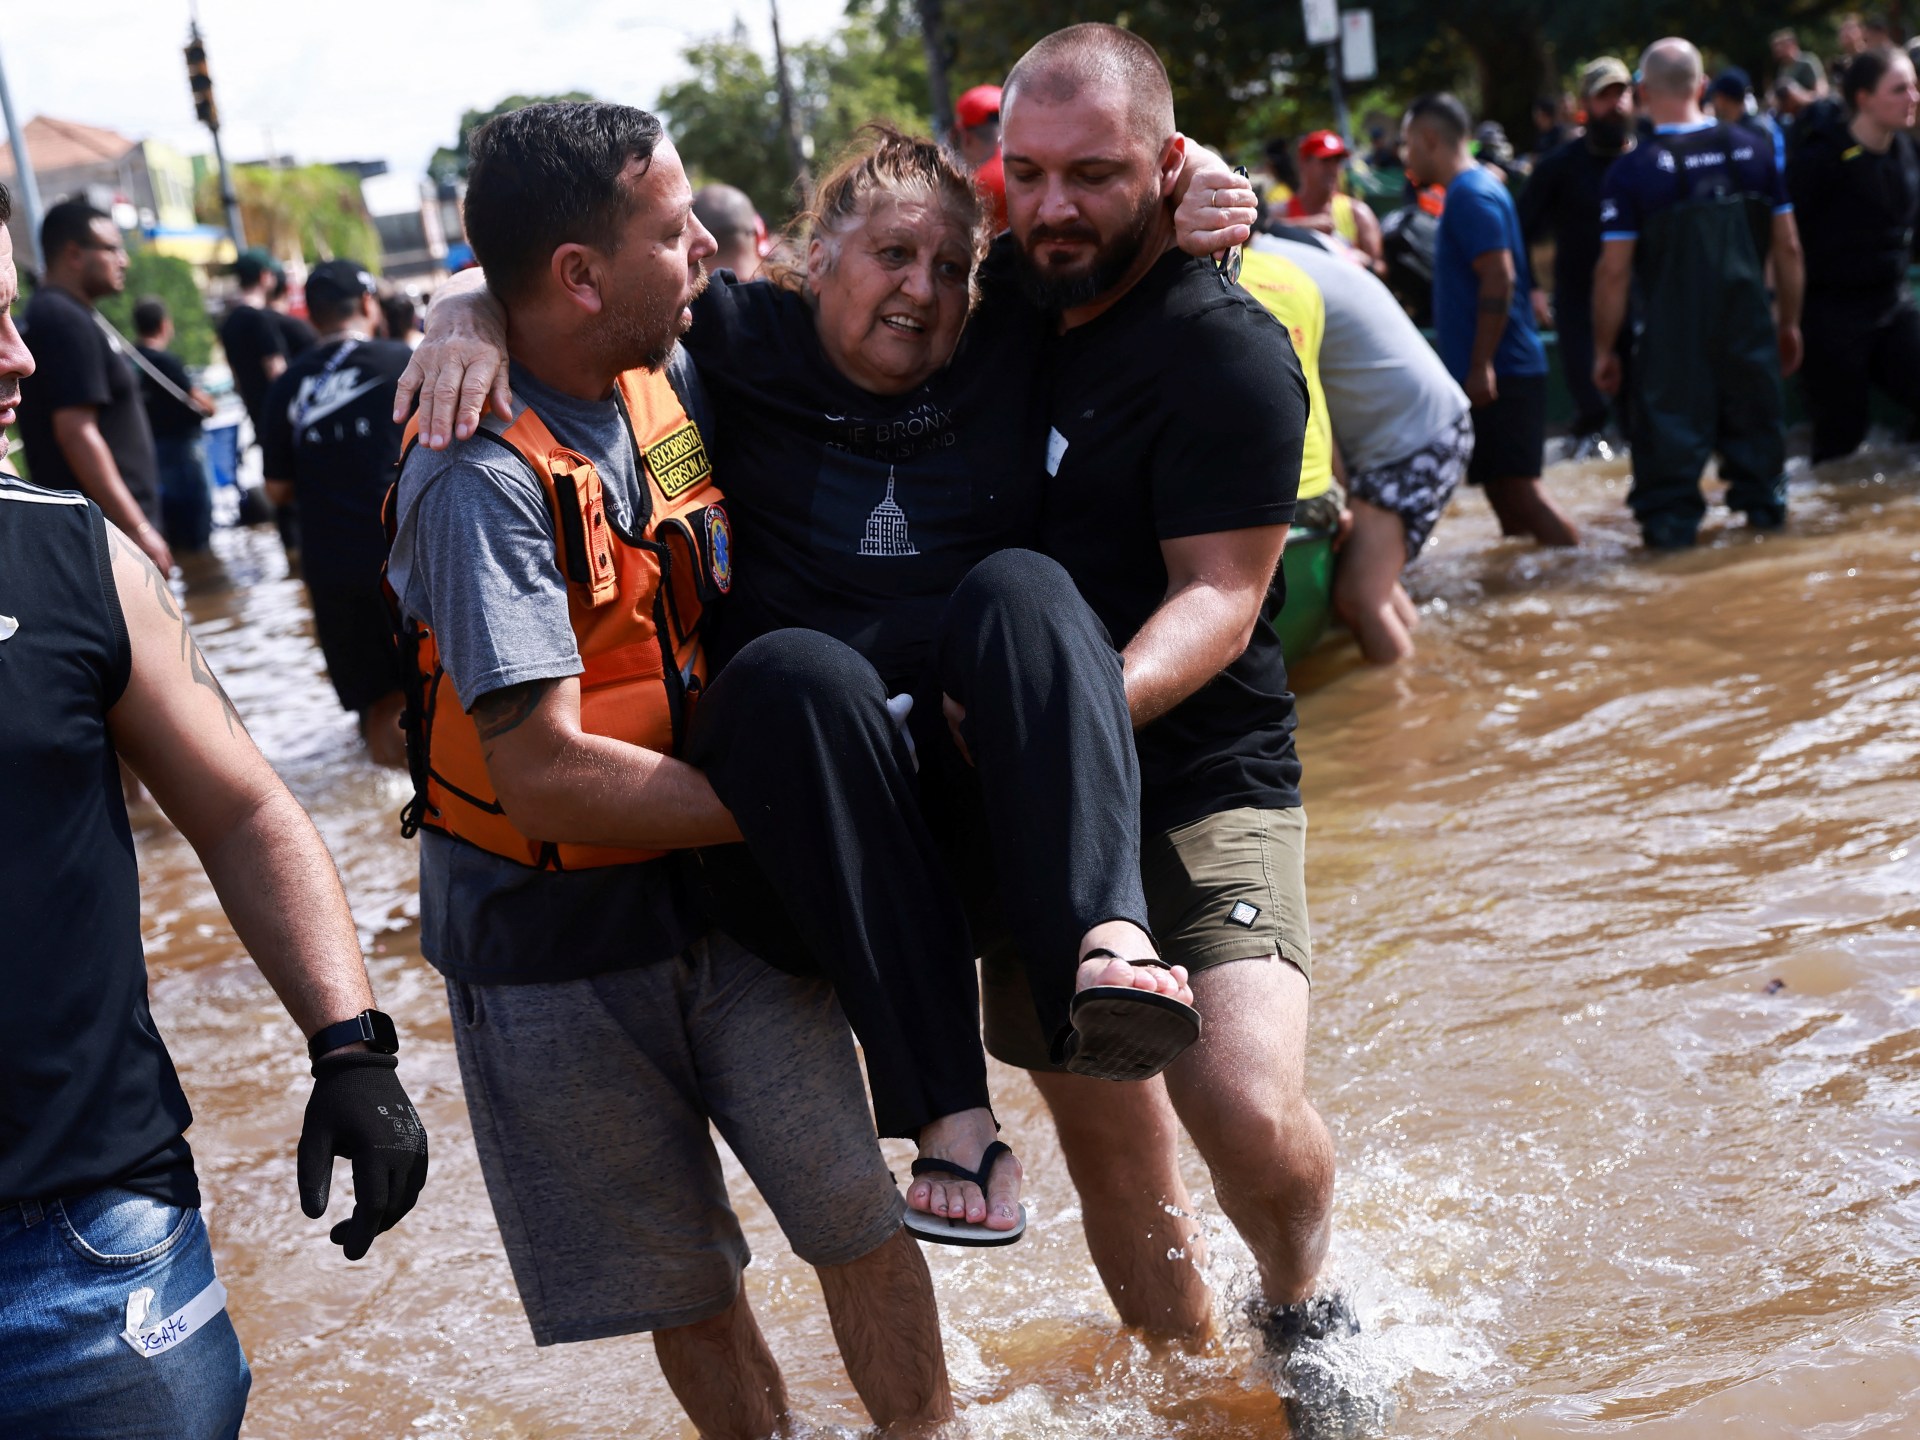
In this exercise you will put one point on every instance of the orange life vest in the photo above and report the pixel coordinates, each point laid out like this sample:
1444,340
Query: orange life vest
635,599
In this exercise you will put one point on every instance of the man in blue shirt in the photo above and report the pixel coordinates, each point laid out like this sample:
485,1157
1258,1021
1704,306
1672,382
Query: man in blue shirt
1690,219
1481,311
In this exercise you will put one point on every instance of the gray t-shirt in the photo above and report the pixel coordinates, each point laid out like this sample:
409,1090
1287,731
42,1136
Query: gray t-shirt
474,559
1389,395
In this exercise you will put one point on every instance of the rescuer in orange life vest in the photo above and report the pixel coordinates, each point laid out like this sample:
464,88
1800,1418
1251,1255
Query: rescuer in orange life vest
550,573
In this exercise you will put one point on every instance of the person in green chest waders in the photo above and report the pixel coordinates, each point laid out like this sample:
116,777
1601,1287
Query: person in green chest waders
1692,217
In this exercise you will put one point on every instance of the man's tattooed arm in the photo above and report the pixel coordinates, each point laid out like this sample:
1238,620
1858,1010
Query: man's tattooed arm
500,711
190,655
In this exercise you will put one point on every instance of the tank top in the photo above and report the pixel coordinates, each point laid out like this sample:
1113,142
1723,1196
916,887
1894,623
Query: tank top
88,1094
1344,225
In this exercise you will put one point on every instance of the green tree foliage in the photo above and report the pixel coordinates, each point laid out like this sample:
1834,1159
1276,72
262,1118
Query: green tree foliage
1242,67
171,279
725,116
725,120
868,70
313,210
450,163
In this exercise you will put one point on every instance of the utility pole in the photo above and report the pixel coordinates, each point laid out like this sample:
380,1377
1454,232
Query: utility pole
1341,120
29,188
933,35
209,115
796,151
1322,19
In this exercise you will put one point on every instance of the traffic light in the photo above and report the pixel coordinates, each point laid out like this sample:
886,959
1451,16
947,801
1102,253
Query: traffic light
201,81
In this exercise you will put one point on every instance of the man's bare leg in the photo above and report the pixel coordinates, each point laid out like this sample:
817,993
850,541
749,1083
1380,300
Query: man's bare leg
888,1326
723,1375
1366,581
1403,602
1241,1093
1523,507
1121,1143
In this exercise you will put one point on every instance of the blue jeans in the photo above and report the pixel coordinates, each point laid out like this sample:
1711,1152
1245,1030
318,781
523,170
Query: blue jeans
78,1278
186,491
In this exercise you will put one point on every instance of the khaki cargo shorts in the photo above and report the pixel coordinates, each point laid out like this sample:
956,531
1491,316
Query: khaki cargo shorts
1225,887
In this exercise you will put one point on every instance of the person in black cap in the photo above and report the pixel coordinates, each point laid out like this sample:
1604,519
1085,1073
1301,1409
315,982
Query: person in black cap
259,343
1562,203
329,447
1730,99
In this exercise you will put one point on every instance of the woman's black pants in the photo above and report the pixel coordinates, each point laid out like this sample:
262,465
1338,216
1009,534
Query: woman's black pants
866,850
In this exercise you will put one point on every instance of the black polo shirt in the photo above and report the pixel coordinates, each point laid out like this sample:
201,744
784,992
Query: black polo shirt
1180,412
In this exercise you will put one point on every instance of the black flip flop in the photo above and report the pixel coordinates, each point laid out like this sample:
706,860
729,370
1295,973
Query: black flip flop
942,1230
1120,1033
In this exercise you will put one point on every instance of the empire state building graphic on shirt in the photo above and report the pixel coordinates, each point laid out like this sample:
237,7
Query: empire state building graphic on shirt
886,532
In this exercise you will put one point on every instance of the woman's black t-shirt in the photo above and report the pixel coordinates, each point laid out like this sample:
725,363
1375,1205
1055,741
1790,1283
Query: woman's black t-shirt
857,514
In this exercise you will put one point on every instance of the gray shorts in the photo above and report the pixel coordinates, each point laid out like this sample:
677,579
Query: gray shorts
591,1101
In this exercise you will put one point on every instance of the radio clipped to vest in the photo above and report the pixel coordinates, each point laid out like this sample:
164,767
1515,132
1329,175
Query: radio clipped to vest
635,597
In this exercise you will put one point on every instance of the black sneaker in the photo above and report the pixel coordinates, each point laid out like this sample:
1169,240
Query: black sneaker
1667,532
1324,1403
1767,517
1323,1317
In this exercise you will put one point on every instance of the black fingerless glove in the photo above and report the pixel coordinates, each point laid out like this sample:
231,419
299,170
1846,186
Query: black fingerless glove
359,1110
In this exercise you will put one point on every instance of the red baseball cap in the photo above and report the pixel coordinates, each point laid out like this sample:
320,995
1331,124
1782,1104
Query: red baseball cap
1323,145
977,106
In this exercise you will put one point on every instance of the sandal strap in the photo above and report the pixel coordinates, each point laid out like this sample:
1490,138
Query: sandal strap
1152,961
988,1159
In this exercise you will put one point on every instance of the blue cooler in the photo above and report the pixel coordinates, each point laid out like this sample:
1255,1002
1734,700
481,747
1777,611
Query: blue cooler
222,436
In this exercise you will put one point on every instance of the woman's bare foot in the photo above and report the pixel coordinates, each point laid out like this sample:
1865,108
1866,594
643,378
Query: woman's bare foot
1129,942
963,1138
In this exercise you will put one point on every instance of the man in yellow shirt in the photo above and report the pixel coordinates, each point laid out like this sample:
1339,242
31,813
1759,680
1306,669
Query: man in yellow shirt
1295,301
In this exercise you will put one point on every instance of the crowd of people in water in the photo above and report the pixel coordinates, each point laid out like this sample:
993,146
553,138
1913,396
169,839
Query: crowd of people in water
861,633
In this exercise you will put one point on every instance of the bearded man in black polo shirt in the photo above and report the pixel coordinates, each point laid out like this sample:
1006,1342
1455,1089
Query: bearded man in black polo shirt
1178,416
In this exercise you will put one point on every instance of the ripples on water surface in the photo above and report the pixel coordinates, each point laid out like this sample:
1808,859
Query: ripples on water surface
1600,1173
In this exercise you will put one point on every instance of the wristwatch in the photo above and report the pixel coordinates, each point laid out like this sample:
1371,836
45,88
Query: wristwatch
373,1026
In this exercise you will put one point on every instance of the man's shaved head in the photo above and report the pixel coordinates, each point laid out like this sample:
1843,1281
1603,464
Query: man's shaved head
1672,67
1097,58
726,212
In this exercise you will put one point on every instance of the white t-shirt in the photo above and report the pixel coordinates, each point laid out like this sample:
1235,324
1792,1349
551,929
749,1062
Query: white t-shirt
1388,393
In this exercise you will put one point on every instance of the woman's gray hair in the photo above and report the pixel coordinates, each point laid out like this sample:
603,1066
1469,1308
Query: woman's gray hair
881,162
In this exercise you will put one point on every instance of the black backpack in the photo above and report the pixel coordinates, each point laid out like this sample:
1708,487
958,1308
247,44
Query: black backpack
1407,239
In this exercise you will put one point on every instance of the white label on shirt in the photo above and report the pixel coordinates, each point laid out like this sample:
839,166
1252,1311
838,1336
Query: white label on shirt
1056,451
157,1339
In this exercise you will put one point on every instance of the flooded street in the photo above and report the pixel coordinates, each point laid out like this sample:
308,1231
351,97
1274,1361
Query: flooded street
1617,1028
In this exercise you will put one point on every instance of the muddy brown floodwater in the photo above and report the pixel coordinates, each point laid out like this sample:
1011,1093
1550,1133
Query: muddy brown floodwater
1599,1173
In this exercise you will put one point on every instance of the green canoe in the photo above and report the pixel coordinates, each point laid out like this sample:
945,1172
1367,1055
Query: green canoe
1307,568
